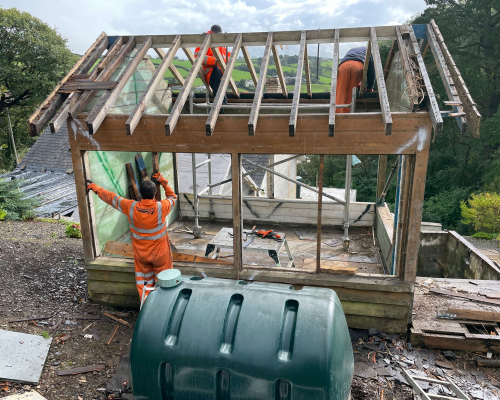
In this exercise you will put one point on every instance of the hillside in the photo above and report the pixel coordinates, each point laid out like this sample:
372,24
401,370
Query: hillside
323,84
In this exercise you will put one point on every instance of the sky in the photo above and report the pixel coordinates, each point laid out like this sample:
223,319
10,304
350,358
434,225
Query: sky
81,22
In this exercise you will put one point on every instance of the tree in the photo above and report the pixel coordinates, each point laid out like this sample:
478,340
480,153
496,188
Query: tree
33,59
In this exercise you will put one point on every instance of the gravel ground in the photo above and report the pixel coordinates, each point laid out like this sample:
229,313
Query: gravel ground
484,244
42,274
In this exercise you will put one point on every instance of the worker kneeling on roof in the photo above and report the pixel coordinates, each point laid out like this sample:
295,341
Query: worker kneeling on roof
351,74
148,227
212,71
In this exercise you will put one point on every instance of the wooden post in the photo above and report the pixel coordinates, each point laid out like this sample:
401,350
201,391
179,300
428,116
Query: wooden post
279,71
250,66
333,90
365,70
82,196
237,212
155,157
270,179
11,133
416,201
403,218
320,210
298,82
381,174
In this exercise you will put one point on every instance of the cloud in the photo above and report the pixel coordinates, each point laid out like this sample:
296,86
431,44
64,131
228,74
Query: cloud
81,23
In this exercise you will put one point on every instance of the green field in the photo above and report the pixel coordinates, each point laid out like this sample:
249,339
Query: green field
184,66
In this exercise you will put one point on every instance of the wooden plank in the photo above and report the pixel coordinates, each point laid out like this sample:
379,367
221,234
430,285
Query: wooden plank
133,180
112,287
279,71
186,88
473,315
222,64
126,250
484,362
468,104
404,218
365,69
373,296
226,80
108,98
85,84
333,90
411,84
415,201
116,55
259,89
376,310
250,66
236,167
359,133
37,121
113,333
91,208
320,211
390,58
381,174
175,72
111,276
382,91
331,267
296,90
117,300
460,343
466,296
155,159
119,320
435,114
141,166
29,319
147,95
190,56
81,370
448,83
388,325
308,73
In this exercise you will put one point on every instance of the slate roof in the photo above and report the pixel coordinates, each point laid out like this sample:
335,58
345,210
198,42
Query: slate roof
50,151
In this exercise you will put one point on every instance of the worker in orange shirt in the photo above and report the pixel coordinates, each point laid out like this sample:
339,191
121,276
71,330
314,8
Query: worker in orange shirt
350,75
212,71
148,227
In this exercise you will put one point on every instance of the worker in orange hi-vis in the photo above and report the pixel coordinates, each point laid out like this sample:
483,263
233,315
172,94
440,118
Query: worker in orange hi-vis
212,71
350,75
148,227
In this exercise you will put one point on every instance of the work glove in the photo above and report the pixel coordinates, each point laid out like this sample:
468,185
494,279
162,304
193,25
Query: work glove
157,178
91,186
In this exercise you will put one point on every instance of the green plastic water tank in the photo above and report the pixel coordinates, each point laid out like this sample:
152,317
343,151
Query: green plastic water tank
224,339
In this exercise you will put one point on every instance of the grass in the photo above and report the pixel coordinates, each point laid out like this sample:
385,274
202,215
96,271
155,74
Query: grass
45,334
184,67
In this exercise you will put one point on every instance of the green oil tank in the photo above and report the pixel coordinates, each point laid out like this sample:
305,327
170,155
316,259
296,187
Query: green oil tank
223,339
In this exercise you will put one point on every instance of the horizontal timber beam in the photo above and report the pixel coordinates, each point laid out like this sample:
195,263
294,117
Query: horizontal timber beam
359,133
313,36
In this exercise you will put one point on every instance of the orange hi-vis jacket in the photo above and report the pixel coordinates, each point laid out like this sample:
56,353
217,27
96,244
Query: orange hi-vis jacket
210,61
148,227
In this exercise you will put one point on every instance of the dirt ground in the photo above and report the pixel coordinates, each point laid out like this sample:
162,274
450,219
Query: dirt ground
42,274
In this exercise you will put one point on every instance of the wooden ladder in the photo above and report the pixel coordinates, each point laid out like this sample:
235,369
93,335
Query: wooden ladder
412,380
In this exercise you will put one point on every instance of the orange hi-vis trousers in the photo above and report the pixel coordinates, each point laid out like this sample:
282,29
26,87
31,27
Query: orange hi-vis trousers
350,74
148,228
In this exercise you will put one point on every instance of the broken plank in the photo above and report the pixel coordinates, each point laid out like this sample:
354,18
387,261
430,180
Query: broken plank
279,71
113,333
126,250
133,179
333,90
119,320
147,95
250,66
222,63
298,82
466,296
473,315
226,80
175,72
81,370
483,362
259,89
176,110
109,97
84,84
332,267
382,91
29,319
